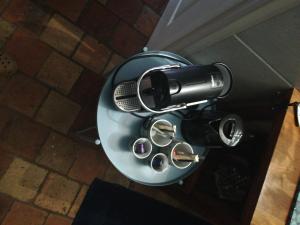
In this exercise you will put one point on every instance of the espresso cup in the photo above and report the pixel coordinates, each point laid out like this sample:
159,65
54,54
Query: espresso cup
159,162
178,146
158,138
141,148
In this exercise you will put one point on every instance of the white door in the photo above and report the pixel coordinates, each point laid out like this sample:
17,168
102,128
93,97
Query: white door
186,24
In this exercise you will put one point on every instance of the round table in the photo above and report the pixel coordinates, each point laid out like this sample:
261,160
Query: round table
117,128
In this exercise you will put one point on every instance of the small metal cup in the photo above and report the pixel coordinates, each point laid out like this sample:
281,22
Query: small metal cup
180,146
141,148
158,139
159,162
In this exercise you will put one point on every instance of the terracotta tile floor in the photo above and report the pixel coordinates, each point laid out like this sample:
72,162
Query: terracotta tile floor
63,50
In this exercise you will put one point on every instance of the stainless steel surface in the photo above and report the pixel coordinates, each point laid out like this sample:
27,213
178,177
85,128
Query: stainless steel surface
169,109
125,97
147,148
236,132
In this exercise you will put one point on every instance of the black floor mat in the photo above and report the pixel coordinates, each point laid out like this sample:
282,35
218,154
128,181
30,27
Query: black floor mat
110,204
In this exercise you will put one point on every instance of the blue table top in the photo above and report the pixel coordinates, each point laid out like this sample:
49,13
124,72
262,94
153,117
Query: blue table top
117,128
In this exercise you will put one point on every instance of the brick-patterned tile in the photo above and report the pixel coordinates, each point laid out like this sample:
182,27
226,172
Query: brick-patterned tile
23,94
3,4
128,44
147,21
5,161
23,214
112,175
103,2
59,72
87,87
6,115
127,10
23,137
92,54
98,21
6,29
28,14
114,61
58,112
58,220
22,180
58,153
3,81
5,204
87,117
57,194
78,201
70,9
157,5
28,51
62,35
7,70
89,164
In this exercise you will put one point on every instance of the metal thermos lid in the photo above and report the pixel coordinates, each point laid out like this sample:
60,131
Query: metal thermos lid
231,130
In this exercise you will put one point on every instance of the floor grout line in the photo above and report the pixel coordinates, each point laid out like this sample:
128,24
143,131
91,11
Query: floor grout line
45,221
34,116
9,208
74,200
31,204
49,171
40,186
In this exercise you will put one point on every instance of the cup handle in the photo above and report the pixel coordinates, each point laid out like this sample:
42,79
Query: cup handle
212,127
